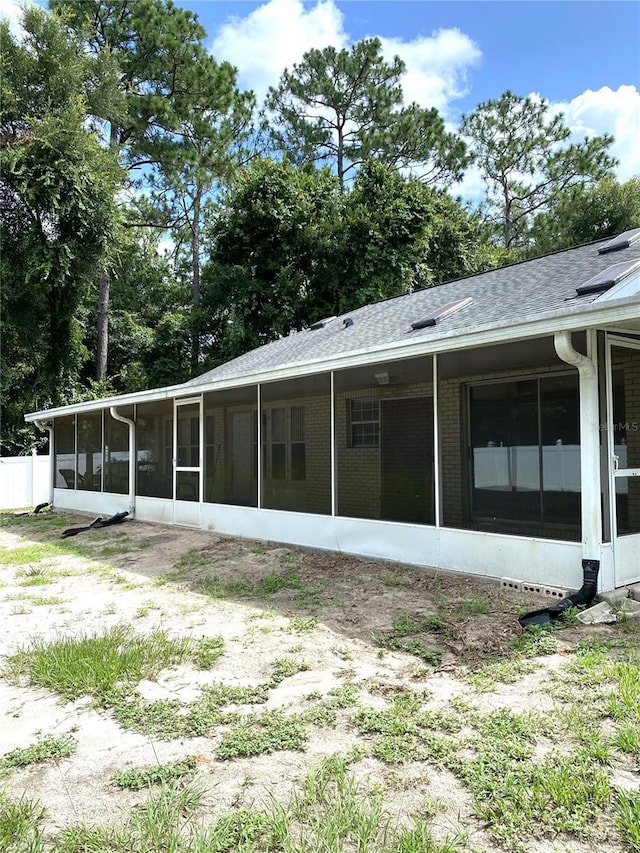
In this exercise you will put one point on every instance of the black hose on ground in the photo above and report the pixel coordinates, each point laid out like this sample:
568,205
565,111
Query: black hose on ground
582,598
99,522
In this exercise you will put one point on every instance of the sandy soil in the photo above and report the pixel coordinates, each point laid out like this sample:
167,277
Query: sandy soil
352,601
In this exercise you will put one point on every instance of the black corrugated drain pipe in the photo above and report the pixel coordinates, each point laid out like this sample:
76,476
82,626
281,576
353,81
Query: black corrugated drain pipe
582,598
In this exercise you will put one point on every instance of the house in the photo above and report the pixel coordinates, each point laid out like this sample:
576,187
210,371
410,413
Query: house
489,425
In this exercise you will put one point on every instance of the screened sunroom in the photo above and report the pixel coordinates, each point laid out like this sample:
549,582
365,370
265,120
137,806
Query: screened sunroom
489,425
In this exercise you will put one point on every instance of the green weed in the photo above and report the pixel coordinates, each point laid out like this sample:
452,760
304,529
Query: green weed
46,749
264,733
474,605
406,635
208,650
19,825
627,817
285,668
299,624
503,672
136,778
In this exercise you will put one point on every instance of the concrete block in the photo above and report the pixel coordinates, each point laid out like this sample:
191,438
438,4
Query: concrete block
615,596
634,591
599,614
629,609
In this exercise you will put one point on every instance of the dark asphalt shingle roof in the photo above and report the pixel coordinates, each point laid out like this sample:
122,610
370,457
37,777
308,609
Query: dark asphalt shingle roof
509,294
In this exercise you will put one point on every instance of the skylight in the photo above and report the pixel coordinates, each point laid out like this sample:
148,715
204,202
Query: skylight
440,313
622,241
321,323
608,278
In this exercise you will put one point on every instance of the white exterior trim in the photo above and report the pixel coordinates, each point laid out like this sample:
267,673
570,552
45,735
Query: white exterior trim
594,315
467,551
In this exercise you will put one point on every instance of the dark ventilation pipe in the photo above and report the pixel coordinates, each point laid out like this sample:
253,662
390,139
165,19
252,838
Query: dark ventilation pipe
582,598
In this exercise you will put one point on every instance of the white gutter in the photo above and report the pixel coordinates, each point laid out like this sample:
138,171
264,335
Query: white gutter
586,366
132,456
52,456
594,315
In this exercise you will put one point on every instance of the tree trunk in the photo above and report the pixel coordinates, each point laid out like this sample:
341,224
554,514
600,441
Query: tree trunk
103,326
195,284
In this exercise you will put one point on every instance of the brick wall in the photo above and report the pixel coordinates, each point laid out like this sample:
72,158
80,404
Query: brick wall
358,468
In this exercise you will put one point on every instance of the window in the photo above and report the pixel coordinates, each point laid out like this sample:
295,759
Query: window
525,450
283,441
298,446
365,423
278,444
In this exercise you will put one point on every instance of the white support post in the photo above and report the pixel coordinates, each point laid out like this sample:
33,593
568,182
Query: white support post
259,449
113,411
589,438
436,447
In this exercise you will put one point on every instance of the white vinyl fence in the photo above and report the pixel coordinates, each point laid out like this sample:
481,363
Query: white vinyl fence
24,481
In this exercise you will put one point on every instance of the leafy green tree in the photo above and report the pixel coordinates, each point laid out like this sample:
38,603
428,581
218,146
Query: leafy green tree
587,213
524,156
57,190
211,143
344,107
149,317
273,264
169,87
400,235
288,249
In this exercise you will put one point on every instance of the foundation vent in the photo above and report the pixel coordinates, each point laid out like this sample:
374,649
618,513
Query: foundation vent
554,592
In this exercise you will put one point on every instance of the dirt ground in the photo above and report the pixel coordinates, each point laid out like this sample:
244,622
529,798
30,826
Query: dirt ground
337,616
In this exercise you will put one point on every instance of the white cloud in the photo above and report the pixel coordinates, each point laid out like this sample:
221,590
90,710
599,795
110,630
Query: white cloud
617,112
274,36
12,11
436,66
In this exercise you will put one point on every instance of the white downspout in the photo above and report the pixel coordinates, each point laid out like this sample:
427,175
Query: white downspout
590,485
132,456
52,457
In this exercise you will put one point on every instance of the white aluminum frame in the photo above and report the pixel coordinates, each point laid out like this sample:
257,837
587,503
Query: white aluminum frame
626,549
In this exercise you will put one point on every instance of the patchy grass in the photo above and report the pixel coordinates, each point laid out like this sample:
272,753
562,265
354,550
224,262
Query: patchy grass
260,734
208,650
516,777
136,778
47,748
20,825
94,664
407,634
328,811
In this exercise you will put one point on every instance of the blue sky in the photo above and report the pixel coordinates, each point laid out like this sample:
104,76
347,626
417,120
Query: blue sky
583,56
558,48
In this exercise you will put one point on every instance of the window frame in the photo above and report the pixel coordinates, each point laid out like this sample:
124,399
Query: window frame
542,521
364,421
286,441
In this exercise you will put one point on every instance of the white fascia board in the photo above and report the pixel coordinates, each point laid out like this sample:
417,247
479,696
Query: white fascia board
149,396
578,318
